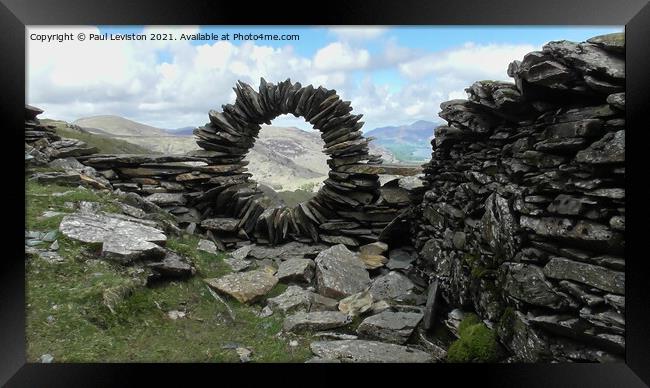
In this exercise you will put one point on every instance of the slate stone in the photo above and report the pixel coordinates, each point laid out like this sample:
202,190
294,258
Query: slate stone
207,246
221,224
392,286
528,284
296,270
292,300
318,320
340,273
122,239
368,351
592,275
173,265
356,304
246,287
388,326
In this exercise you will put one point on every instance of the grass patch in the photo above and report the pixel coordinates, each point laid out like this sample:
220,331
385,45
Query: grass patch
90,310
68,314
477,343
40,198
105,144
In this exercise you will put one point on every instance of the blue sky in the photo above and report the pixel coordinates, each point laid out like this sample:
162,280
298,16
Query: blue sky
393,75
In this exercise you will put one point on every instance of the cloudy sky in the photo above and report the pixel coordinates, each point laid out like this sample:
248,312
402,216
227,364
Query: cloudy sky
393,75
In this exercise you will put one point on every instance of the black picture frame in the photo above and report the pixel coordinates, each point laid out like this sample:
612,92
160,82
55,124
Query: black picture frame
16,14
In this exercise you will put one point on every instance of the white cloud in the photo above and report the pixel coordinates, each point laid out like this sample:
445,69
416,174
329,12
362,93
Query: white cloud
482,61
70,80
340,56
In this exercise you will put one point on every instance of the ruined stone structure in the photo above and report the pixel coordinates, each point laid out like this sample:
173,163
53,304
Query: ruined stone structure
520,216
351,208
524,217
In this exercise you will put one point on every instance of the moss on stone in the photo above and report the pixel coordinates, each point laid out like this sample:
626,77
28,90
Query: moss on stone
477,343
478,272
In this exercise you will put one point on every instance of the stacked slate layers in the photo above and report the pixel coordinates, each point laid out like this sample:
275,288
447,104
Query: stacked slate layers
349,208
42,144
524,216
211,188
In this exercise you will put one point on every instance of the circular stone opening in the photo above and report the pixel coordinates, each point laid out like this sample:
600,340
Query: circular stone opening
287,159
344,210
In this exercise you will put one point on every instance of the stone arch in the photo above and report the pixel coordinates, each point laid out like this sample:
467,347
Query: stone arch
344,210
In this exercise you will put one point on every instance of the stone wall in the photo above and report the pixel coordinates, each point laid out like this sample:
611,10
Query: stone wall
523,219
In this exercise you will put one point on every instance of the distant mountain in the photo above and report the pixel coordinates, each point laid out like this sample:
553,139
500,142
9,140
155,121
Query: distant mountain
117,126
185,131
409,143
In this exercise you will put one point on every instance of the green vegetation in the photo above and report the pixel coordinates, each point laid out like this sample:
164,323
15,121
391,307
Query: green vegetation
41,198
89,310
477,343
69,314
105,144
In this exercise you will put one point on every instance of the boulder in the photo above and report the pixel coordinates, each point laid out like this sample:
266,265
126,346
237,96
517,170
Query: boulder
207,246
394,327
123,238
368,351
292,300
296,270
173,265
323,303
246,287
392,286
340,273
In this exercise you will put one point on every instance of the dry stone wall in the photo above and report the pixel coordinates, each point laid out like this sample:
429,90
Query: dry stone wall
523,219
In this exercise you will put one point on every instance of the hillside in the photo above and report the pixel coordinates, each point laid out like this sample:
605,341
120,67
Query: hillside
409,143
105,144
117,126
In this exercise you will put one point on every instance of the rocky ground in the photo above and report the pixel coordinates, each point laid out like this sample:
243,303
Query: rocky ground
112,277
104,263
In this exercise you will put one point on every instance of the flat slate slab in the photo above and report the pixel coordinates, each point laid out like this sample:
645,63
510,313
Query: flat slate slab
340,273
292,300
367,351
317,320
246,287
393,285
296,270
122,239
395,327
